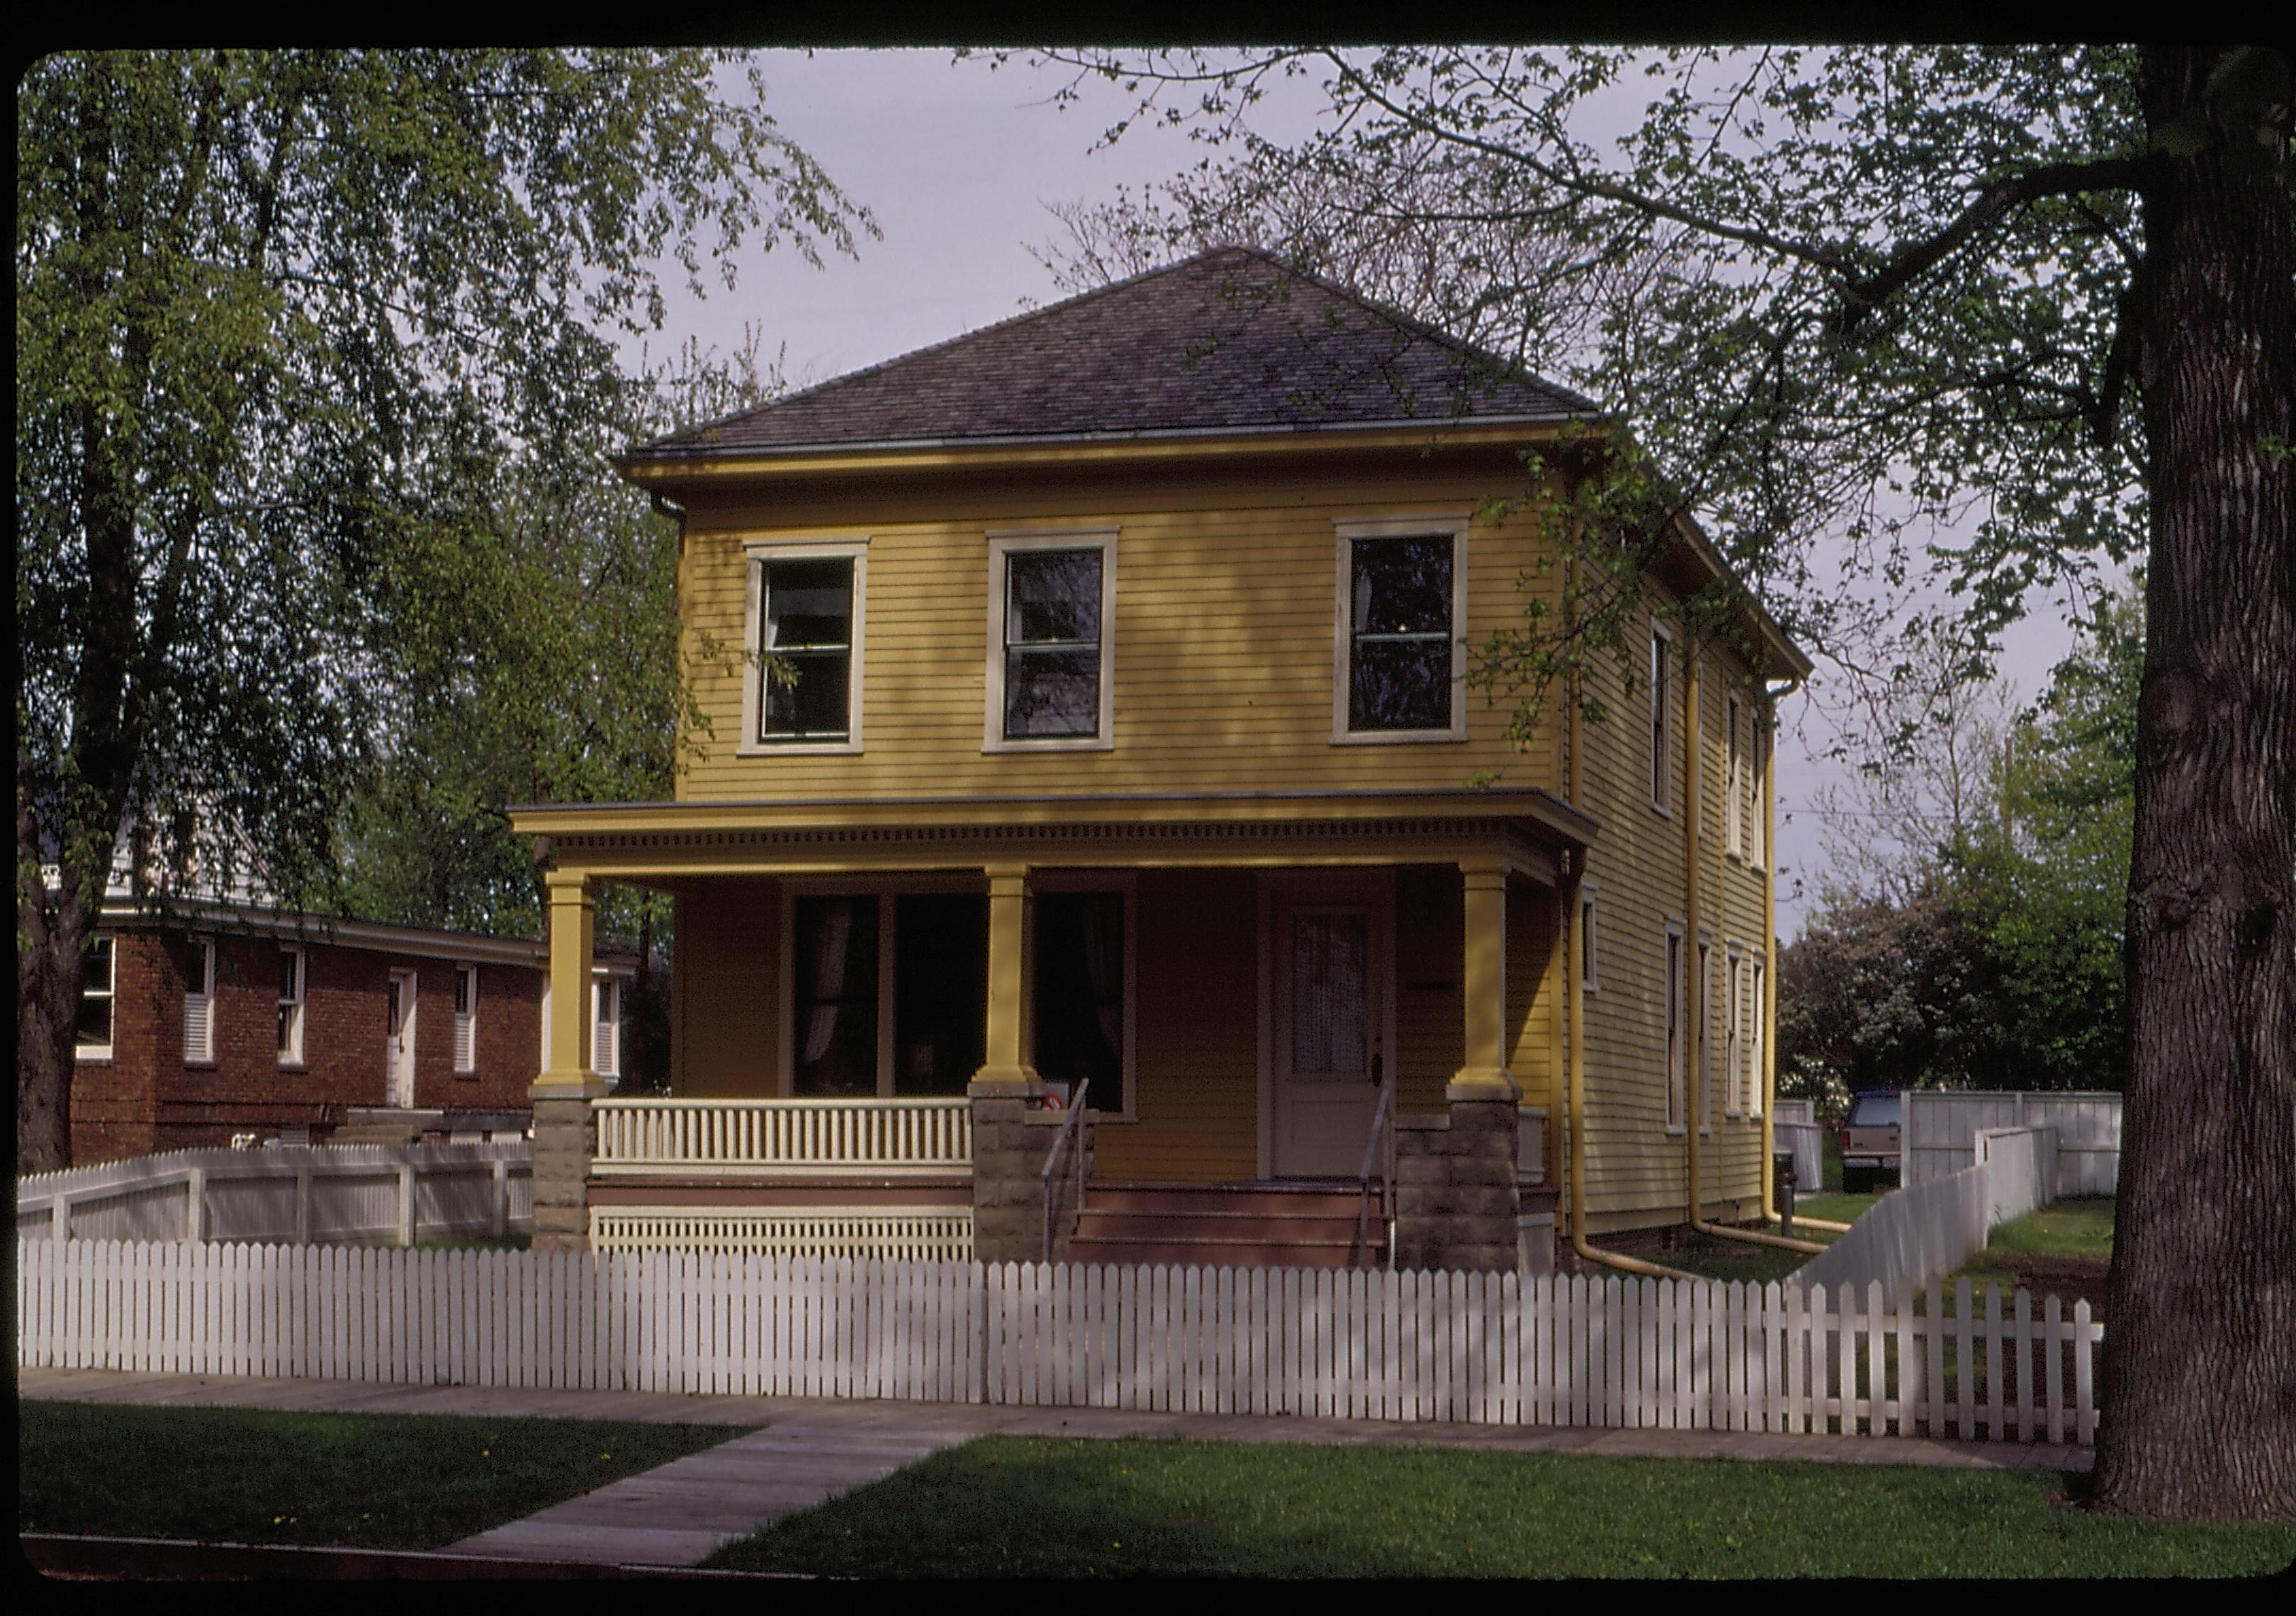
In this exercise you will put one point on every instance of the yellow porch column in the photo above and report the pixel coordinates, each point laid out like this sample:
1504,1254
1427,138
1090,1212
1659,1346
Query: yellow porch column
1005,1069
571,929
1485,1076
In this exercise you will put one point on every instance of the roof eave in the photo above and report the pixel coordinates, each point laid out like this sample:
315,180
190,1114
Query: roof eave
650,465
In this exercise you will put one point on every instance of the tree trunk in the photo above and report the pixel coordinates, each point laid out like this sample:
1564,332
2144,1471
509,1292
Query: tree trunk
2199,1417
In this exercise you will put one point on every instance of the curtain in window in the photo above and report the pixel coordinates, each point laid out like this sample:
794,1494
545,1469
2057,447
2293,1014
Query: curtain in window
833,931
1103,964
1329,971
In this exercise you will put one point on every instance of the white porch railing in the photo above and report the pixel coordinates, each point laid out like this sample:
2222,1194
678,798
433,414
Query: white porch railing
784,1138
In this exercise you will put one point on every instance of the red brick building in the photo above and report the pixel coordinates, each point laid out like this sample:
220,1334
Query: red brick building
222,1019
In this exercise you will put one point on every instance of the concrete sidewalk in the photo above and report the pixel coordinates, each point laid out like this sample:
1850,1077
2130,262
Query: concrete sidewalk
810,1450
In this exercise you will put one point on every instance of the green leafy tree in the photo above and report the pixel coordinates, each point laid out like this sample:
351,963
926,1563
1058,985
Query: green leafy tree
281,317
2047,871
2046,296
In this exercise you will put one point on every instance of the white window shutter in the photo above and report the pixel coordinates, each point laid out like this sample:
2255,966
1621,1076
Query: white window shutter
465,1054
197,1027
604,1045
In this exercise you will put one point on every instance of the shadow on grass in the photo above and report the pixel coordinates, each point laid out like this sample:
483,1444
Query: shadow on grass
1039,1507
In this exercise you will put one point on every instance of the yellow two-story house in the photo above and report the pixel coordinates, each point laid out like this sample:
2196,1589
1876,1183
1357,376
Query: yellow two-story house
1088,715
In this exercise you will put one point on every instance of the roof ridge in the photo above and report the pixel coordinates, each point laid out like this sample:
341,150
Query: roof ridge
1022,318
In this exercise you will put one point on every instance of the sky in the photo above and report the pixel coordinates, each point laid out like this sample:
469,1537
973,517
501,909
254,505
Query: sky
958,163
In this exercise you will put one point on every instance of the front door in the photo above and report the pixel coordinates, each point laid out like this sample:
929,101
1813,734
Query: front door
1328,987
399,1048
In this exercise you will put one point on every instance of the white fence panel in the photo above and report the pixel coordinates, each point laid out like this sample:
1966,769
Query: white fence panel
322,1193
1472,1347
1940,1131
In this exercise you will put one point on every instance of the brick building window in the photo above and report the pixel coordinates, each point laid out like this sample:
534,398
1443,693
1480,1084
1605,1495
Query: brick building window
290,1005
199,1001
91,1040
466,1019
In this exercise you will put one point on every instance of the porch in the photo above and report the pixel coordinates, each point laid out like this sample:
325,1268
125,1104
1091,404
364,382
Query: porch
877,1048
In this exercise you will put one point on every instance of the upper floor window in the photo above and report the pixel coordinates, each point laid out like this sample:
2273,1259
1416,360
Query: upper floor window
1734,800
92,1039
804,617
1051,596
1662,721
290,1005
1400,655
1757,814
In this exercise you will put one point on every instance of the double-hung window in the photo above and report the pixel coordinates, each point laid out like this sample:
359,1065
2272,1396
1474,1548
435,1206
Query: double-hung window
199,1000
1399,666
1676,1031
1662,721
92,1038
466,1019
1052,599
803,689
1733,802
290,1005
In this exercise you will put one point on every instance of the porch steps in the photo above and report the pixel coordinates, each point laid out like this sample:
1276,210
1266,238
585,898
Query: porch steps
1241,1226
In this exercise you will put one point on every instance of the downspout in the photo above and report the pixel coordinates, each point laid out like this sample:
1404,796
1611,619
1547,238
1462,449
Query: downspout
1694,840
1574,1146
1770,978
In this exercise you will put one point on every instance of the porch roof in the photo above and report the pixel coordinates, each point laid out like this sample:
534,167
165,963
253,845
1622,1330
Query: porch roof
1526,828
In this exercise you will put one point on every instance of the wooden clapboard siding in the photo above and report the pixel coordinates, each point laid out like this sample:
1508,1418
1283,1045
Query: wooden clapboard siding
1637,1170
1222,643
727,1039
1196,1084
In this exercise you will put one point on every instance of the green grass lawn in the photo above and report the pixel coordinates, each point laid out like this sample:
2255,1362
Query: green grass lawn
2063,1250
1038,1507
371,1480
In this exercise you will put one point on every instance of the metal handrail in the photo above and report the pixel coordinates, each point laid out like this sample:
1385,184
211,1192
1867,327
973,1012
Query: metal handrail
1380,1120
1052,1162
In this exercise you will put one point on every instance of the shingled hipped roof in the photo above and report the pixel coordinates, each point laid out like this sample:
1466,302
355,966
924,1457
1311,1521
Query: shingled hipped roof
1228,340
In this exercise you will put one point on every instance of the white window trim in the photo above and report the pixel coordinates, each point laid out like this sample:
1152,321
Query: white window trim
1674,1025
1734,784
1433,525
1757,1052
1734,1034
1662,696
204,1055
102,1052
1001,546
758,551
1590,932
291,1057
1705,1025
466,1023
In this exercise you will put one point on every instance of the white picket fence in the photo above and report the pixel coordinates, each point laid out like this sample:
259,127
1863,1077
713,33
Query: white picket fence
1933,1229
1940,1131
368,1193
1490,1348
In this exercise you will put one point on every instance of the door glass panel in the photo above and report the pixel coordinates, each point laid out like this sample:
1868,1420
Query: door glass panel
941,992
834,997
1329,969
